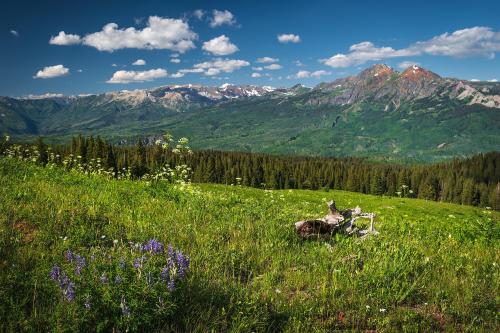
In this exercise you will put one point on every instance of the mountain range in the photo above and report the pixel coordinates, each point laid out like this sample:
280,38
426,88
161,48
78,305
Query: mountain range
413,114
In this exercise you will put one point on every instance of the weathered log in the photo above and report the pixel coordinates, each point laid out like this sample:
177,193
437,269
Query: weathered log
334,222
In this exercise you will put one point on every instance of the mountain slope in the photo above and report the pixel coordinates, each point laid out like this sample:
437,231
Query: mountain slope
380,112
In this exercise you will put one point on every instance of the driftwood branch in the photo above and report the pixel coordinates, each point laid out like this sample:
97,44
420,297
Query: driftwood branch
336,222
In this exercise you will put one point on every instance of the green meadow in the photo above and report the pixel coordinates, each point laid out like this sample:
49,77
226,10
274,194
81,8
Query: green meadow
433,267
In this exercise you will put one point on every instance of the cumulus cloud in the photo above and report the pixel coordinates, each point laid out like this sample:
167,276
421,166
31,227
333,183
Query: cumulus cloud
217,66
315,74
137,76
220,46
256,75
288,38
475,41
175,60
298,63
199,13
493,80
159,33
222,17
273,67
406,64
139,62
267,60
258,68
14,33
65,39
51,72
474,80
191,70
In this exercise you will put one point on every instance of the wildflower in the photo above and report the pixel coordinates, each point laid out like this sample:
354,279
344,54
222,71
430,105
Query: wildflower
122,264
115,241
171,284
80,264
153,246
69,256
118,279
182,264
69,292
55,273
367,307
383,310
103,236
164,274
124,307
137,263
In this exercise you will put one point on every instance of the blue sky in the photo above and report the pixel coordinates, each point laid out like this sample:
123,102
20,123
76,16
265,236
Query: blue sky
221,41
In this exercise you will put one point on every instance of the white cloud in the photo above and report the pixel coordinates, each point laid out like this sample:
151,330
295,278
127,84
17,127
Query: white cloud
221,17
307,74
14,33
475,80
220,46
476,41
267,60
159,33
298,63
137,76
273,67
363,52
191,70
288,38
79,70
258,68
256,75
139,62
114,65
174,55
406,64
493,80
51,72
65,39
177,75
199,13
175,60
220,65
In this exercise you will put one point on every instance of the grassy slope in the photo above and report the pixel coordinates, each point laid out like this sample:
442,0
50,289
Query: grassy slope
433,266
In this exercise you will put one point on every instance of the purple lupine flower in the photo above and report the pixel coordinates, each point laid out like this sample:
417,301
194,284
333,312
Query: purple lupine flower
69,256
153,246
118,279
182,264
171,284
171,252
137,263
103,278
80,264
55,273
124,307
164,274
63,281
69,292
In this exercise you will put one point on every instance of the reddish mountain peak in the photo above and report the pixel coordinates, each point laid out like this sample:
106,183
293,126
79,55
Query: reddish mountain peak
415,72
376,71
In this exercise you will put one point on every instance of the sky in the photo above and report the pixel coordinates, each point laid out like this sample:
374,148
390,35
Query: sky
86,47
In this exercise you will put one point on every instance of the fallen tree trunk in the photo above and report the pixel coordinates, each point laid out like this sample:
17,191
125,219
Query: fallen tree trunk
336,222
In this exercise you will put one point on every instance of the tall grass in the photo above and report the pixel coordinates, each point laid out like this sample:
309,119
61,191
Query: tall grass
433,267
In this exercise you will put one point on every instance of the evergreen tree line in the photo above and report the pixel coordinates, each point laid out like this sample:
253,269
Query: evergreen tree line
472,181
